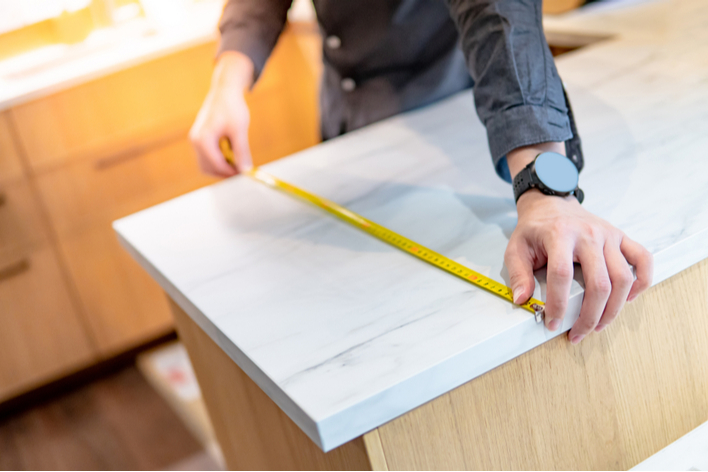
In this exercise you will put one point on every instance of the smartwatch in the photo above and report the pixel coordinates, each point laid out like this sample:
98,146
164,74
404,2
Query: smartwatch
552,174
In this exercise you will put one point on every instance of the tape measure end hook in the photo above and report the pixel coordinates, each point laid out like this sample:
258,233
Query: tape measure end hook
538,311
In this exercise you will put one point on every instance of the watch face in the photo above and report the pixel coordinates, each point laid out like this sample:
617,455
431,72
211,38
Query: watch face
556,172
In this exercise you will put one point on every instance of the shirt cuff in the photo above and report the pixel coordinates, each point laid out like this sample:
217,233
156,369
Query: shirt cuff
246,42
523,126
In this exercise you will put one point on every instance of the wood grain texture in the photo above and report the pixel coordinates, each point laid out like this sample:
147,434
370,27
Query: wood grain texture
122,304
374,448
132,109
22,226
608,403
117,112
554,7
116,423
284,104
10,163
42,337
253,431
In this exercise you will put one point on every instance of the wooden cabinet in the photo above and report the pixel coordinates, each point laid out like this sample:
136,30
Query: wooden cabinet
10,164
116,114
75,161
123,305
42,335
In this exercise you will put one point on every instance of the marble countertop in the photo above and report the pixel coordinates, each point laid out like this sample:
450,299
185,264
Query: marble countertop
345,333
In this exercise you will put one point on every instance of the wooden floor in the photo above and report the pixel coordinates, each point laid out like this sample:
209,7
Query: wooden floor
116,423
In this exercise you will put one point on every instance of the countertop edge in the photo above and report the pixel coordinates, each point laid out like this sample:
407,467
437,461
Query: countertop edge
274,392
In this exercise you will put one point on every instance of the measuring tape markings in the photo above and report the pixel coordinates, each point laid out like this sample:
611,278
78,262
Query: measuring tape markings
394,239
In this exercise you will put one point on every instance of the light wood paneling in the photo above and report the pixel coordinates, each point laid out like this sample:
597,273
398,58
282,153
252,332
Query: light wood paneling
116,113
123,305
116,423
96,192
41,336
554,7
22,227
253,431
608,403
132,109
374,449
10,165
284,104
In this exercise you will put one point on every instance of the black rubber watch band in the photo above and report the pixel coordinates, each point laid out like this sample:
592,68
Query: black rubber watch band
522,182
526,179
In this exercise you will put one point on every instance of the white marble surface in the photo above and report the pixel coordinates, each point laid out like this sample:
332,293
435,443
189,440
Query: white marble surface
344,332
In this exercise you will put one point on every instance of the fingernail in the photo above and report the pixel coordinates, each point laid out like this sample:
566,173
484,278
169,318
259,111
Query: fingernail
631,298
599,328
576,339
554,324
518,293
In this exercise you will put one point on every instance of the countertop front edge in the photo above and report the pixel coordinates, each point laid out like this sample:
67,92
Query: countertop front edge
274,392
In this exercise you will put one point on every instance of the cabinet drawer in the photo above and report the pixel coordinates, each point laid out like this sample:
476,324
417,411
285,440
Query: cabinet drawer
117,112
10,164
22,228
95,193
123,305
42,337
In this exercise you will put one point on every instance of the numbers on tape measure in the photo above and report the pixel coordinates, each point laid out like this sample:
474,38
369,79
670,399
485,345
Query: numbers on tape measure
384,234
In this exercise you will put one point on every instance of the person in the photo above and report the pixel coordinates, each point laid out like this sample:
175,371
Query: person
383,57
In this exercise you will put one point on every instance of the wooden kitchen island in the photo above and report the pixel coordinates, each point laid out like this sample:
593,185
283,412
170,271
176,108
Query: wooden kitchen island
318,347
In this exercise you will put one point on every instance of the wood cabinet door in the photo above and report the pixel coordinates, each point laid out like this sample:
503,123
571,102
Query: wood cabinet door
122,304
42,336
115,113
10,164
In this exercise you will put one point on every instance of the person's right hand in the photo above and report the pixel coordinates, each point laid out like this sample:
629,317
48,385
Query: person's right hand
224,113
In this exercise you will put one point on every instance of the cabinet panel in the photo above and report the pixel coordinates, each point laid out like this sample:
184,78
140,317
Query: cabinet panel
117,112
42,337
10,164
122,304
21,225
95,193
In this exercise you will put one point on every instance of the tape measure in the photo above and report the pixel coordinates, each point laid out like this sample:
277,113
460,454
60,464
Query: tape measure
386,235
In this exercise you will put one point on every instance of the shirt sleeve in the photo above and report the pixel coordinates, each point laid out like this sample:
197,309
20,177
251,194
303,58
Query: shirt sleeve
518,93
252,27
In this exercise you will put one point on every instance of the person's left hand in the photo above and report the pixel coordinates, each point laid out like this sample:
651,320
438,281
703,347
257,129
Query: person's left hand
557,231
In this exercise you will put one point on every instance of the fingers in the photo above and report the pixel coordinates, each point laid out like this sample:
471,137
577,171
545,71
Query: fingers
559,278
223,114
520,266
598,288
621,278
643,262
242,150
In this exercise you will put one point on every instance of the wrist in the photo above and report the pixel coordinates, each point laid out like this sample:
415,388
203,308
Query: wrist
520,157
534,197
234,71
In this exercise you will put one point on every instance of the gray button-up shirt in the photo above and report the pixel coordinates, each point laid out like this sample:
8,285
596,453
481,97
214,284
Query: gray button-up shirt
383,57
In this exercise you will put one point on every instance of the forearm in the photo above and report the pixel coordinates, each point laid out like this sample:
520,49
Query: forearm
233,71
518,94
252,27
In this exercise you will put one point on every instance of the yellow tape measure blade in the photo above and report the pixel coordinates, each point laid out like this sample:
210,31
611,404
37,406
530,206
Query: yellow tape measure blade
390,237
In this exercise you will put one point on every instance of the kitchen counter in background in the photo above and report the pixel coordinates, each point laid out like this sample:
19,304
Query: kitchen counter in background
345,334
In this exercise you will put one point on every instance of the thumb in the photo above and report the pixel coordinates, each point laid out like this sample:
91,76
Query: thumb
520,266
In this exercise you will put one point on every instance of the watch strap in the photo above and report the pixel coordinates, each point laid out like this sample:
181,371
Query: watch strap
523,181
